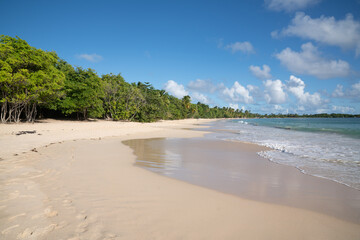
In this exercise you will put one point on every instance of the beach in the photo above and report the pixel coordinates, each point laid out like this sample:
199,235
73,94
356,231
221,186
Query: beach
77,180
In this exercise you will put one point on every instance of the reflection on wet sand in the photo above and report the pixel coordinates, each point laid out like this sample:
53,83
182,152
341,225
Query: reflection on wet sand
235,168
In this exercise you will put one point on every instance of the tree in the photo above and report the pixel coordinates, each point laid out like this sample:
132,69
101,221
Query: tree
155,104
186,101
83,92
28,78
122,101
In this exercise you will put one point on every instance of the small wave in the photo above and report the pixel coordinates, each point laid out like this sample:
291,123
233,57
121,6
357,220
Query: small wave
276,146
243,122
354,185
341,161
315,149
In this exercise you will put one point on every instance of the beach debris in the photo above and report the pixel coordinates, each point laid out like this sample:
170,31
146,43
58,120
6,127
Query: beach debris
25,132
34,150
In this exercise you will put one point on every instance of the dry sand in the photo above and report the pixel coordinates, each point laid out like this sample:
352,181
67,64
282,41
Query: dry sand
76,180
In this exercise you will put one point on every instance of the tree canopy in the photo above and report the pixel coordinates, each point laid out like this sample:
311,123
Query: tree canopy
28,78
33,80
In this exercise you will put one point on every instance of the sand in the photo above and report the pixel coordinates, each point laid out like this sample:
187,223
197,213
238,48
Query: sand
76,180
236,168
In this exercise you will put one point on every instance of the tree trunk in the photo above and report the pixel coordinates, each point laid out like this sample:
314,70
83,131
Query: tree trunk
30,112
4,112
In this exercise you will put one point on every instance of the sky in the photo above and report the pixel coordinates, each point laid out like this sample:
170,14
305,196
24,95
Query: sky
266,56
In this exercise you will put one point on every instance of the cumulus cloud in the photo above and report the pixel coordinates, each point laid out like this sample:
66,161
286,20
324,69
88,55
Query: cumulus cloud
198,97
201,85
175,89
234,106
245,47
274,92
355,90
342,109
344,33
296,86
263,73
338,92
309,61
289,5
237,93
90,57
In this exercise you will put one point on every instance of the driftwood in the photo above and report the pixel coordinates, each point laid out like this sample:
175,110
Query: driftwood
25,132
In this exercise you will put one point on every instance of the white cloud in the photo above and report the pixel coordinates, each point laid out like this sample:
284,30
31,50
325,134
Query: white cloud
198,97
175,89
297,87
252,88
342,109
355,90
202,86
263,73
344,33
90,57
352,93
234,106
274,92
245,47
255,92
338,92
278,107
289,5
309,61
237,93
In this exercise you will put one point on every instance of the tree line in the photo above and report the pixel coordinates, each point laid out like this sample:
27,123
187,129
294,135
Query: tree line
36,83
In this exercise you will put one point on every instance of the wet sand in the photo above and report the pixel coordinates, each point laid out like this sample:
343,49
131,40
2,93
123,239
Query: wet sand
236,168
76,180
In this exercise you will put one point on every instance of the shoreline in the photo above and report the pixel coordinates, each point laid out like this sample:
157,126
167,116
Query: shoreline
235,168
64,191
266,148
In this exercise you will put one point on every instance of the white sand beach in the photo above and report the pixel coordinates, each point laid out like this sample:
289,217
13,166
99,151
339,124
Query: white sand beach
76,180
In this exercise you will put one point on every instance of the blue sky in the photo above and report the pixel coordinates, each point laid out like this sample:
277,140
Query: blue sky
267,56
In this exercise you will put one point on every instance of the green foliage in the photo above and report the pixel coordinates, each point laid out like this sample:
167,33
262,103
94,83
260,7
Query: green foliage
122,100
155,105
28,78
83,92
31,77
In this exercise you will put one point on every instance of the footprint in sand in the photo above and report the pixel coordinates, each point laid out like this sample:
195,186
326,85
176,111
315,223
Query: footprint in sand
35,233
83,226
81,216
110,236
67,203
48,212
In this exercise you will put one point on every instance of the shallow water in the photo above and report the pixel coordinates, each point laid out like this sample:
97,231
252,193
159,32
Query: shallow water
236,168
327,148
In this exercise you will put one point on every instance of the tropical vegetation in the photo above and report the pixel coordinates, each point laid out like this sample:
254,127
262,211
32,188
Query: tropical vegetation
36,83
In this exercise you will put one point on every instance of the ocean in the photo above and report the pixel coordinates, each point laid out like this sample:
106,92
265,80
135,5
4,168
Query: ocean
322,147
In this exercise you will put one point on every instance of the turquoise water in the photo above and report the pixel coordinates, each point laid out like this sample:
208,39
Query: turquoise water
344,126
323,147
